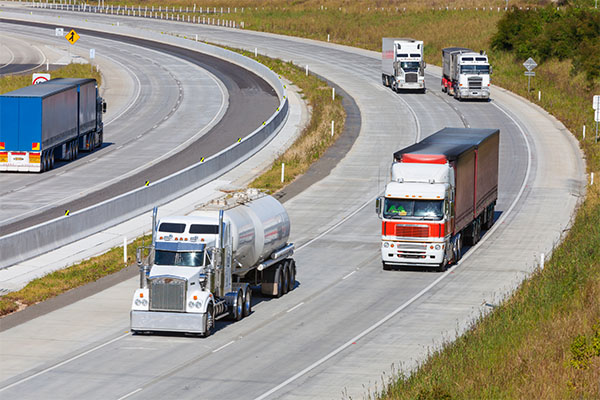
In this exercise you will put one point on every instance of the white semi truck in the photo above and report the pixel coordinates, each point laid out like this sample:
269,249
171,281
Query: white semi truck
442,192
465,73
202,266
402,64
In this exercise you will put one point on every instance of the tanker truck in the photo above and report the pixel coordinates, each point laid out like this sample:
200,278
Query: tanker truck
442,192
201,267
402,64
465,73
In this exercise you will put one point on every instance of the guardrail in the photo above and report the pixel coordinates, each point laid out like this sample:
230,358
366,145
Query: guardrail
19,246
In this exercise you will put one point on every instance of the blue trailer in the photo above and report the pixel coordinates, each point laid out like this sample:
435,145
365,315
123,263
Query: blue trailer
52,121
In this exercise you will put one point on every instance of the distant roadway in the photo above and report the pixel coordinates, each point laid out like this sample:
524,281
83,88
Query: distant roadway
348,325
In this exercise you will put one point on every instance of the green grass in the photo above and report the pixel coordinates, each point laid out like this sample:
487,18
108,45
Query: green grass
543,341
12,82
61,281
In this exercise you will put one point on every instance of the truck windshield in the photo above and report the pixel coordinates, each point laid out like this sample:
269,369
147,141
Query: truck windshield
411,66
413,209
183,259
475,69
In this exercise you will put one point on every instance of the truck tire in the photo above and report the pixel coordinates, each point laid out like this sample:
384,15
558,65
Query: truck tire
248,301
286,277
384,80
292,276
239,306
209,322
489,221
279,280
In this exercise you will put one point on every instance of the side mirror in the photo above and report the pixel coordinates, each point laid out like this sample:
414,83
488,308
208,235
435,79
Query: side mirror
491,69
138,256
378,206
103,107
424,65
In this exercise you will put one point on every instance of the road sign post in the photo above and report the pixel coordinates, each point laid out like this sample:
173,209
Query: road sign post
530,65
596,105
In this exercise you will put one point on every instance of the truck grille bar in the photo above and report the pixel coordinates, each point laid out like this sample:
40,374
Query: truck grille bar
411,78
475,83
412,230
167,294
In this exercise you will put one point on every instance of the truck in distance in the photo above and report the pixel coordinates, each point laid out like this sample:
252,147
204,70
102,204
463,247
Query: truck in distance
402,64
202,266
443,191
465,73
40,124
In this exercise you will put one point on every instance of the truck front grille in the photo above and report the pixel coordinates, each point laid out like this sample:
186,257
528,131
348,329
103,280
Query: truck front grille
411,246
475,83
412,230
411,78
167,294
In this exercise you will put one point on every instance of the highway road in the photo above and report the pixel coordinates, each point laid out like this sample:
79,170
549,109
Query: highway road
183,106
19,55
348,322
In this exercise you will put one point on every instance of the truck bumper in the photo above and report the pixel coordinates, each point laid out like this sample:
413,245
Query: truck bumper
399,256
167,321
411,86
474,94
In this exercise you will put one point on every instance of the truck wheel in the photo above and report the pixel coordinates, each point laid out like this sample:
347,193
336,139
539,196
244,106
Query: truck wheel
279,280
490,218
386,267
384,80
209,322
292,276
239,306
286,277
248,301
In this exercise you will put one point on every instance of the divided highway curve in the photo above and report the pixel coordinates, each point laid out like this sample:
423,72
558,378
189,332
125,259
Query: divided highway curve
347,321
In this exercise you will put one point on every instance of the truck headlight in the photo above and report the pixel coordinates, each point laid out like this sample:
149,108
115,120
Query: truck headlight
191,304
198,304
144,302
386,244
138,302
437,247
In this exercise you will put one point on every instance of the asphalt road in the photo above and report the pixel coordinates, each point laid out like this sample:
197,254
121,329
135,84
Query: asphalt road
162,133
18,55
348,322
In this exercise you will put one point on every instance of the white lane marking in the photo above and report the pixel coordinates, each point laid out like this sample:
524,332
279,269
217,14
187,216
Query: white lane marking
350,274
222,347
338,224
130,394
296,306
137,94
425,290
63,362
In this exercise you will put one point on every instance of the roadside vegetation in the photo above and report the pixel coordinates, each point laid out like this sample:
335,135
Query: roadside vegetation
311,144
543,341
12,82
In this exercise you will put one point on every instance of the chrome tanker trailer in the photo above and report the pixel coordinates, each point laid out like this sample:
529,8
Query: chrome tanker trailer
201,266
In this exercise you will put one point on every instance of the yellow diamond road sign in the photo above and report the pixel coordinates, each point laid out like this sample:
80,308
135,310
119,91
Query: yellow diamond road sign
72,37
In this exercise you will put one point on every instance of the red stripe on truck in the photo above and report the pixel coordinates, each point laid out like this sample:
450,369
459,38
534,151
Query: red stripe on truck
417,230
424,158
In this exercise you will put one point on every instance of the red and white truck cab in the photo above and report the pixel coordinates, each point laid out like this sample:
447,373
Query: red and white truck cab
442,190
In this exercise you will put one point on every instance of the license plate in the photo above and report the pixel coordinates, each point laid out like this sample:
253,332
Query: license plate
18,158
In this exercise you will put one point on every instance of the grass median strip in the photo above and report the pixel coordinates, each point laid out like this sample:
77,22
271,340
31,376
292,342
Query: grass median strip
311,144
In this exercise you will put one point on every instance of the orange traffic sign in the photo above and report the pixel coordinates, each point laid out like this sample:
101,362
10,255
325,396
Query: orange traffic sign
72,37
